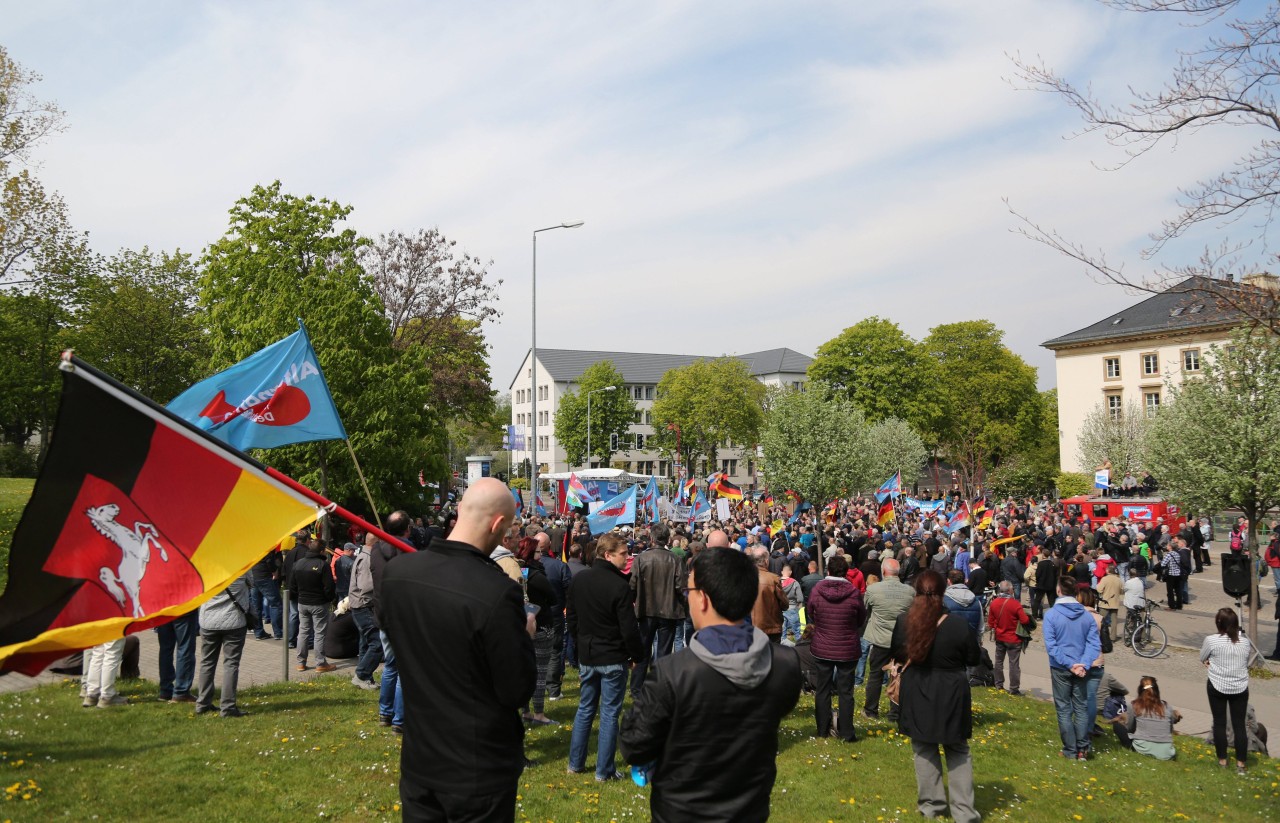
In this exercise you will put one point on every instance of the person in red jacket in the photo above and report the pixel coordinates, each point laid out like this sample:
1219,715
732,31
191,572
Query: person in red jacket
1004,615
836,611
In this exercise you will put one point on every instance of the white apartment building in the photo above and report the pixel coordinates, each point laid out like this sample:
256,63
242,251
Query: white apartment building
557,371
1131,355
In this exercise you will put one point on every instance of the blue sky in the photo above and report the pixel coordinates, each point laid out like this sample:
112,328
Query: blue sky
752,175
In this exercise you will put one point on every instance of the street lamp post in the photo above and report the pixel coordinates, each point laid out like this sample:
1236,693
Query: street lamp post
597,391
533,354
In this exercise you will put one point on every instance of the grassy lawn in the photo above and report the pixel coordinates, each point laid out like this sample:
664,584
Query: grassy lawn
312,751
13,497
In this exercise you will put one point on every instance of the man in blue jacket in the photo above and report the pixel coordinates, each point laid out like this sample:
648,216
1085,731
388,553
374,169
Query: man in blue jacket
1072,640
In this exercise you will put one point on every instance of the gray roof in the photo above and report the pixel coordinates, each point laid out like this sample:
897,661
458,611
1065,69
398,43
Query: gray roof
567,365
1185,306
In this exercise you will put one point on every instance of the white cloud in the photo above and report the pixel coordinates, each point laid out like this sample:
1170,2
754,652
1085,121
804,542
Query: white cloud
754,173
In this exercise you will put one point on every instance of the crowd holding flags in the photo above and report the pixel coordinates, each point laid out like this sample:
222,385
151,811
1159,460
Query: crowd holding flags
722,487
890,488
958,519
698,506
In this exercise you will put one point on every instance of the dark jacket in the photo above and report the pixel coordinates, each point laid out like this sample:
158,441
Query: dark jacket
311,584
467,667
601,618
265,569
808,582
380,555
836,611
1046,575
657,577
558,576
936,705
541,592
711,723
1011,568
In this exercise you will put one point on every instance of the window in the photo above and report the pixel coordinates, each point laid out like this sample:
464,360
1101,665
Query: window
1150,364
1111,368
546,418
544,443
648,392
664,468
1191,360
1100,511
640,445
644,467
729,467
1115,406
638,417
648,418
751,468
1151,402
637,392
797,385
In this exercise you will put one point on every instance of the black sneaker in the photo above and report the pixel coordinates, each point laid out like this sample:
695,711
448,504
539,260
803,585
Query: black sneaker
384,720
234,711
398,729
615,776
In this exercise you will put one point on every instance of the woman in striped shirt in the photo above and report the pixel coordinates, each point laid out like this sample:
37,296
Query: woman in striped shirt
1227,659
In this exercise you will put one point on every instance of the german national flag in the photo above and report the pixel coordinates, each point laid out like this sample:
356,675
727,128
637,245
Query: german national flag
136,518
886,515
767,499
726,489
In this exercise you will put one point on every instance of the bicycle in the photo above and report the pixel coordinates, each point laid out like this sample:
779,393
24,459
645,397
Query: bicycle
1147,638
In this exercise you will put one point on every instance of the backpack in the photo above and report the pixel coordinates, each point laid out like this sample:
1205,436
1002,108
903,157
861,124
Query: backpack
1237,541
983,674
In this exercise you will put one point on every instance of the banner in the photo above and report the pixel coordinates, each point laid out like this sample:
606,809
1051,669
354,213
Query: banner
1102,479
682,514
722,510
275,397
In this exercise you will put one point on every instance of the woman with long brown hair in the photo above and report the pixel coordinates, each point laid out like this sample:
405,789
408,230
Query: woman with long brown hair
935,707
1150,723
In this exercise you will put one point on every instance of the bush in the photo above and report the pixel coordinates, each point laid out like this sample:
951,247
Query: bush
521,483
1071,484
17,461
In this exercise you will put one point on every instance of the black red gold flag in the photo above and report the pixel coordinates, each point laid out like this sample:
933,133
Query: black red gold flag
136,517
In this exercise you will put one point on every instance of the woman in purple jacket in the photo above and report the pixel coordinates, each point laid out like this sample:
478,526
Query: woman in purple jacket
836,611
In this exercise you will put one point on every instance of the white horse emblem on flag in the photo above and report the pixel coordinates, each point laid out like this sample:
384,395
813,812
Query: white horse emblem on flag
135,552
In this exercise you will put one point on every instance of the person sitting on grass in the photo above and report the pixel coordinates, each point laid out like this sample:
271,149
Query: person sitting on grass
1148,727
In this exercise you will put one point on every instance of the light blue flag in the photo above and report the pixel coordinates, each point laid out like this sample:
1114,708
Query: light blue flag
649,500
515,494
699,507
619,510
276,397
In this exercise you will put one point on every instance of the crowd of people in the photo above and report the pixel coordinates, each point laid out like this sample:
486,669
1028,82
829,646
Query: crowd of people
713,629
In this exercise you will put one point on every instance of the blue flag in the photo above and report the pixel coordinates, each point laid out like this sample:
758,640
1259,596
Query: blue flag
649,500
698,507
515,493
619,510
276,397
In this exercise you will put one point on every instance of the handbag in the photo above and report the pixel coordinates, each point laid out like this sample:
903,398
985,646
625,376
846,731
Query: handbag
1107,645
1024,632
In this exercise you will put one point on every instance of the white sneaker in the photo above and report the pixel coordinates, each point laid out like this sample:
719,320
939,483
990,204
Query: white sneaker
117,700
363,684
89,701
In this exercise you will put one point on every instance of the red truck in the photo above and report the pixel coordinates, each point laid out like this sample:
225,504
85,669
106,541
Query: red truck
1098,510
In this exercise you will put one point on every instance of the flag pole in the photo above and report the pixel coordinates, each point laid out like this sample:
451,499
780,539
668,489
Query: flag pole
372,506
334,508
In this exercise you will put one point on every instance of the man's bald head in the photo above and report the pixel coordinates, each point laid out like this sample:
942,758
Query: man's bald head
485,514
889,568
718,540
544,542
760,555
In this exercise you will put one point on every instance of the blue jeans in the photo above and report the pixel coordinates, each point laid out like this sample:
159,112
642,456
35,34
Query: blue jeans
1275,577
1070,699
860,670
391,698
1091,683
370,644
791,623
269,592
661,629
178,640
603,687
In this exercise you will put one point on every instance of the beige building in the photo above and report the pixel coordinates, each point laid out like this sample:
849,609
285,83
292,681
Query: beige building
1131,356
557,373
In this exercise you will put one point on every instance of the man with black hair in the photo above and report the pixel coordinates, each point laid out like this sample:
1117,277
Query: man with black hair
656,577
715,764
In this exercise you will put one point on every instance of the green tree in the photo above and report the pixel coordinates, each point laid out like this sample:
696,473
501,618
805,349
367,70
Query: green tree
612,412
983,391
816,442
140,323
882,370
893,445
710,402
1213,446
1120,439
436,302
286,257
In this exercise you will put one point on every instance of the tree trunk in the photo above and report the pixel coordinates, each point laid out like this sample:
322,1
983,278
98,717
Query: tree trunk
1251,551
